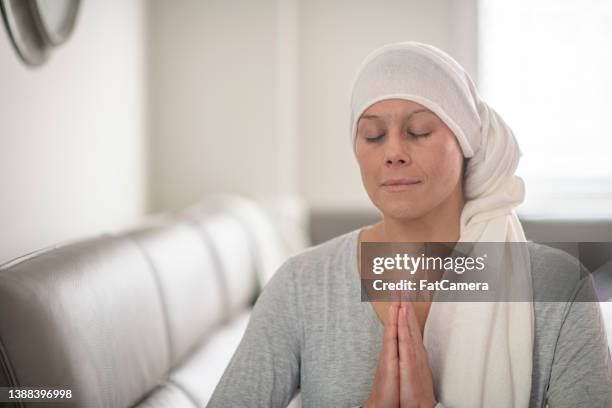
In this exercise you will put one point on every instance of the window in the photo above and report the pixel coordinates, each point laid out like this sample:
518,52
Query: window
545,67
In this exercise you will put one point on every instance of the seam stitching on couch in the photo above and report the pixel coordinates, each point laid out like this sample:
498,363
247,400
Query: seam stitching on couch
219,270
254,255
162,299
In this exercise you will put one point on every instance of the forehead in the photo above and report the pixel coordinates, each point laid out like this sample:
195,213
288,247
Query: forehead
390,108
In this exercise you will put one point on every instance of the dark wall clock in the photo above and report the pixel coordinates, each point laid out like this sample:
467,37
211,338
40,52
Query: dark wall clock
36,27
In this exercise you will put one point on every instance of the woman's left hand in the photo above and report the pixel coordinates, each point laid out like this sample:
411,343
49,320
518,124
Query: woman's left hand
416,382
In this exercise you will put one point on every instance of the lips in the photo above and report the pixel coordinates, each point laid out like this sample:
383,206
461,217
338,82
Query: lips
400,184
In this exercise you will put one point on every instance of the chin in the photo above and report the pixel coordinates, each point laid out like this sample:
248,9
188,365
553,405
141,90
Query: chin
401,210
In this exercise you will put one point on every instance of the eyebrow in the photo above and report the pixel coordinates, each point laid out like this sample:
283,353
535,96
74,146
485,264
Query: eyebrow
370,116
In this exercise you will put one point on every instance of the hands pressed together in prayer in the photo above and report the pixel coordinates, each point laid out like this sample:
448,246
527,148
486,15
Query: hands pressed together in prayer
403,376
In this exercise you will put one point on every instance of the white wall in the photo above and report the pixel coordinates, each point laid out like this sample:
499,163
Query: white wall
73,151
215,90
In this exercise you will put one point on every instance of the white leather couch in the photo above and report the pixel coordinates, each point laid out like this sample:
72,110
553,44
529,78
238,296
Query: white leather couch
147,317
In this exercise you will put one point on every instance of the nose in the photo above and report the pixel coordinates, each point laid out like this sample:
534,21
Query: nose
396,150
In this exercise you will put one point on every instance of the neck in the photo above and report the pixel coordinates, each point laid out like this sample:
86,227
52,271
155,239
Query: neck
441,224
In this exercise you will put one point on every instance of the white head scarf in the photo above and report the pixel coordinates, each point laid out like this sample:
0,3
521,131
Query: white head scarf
480,353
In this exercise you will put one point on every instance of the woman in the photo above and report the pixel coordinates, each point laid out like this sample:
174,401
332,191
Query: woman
439,164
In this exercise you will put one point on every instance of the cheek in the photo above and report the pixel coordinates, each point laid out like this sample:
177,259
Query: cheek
367,164
446,166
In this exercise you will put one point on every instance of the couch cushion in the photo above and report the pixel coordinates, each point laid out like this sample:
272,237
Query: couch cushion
189,281
268,248
200,373
235,255
86,316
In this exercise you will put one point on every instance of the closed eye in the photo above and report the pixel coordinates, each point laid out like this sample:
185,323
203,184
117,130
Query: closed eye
418,135
374,139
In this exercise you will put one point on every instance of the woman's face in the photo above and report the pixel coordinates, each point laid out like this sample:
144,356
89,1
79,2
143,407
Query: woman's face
410,161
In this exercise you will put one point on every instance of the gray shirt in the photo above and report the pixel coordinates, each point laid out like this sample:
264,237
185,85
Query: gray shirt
310,331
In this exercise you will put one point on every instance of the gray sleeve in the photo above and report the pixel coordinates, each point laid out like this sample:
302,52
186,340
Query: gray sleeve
581,374
265,369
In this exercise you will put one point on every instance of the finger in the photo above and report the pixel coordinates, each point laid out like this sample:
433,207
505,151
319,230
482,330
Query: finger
419,353
389,351
408,369
414,328
413,323
404,339
414,371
